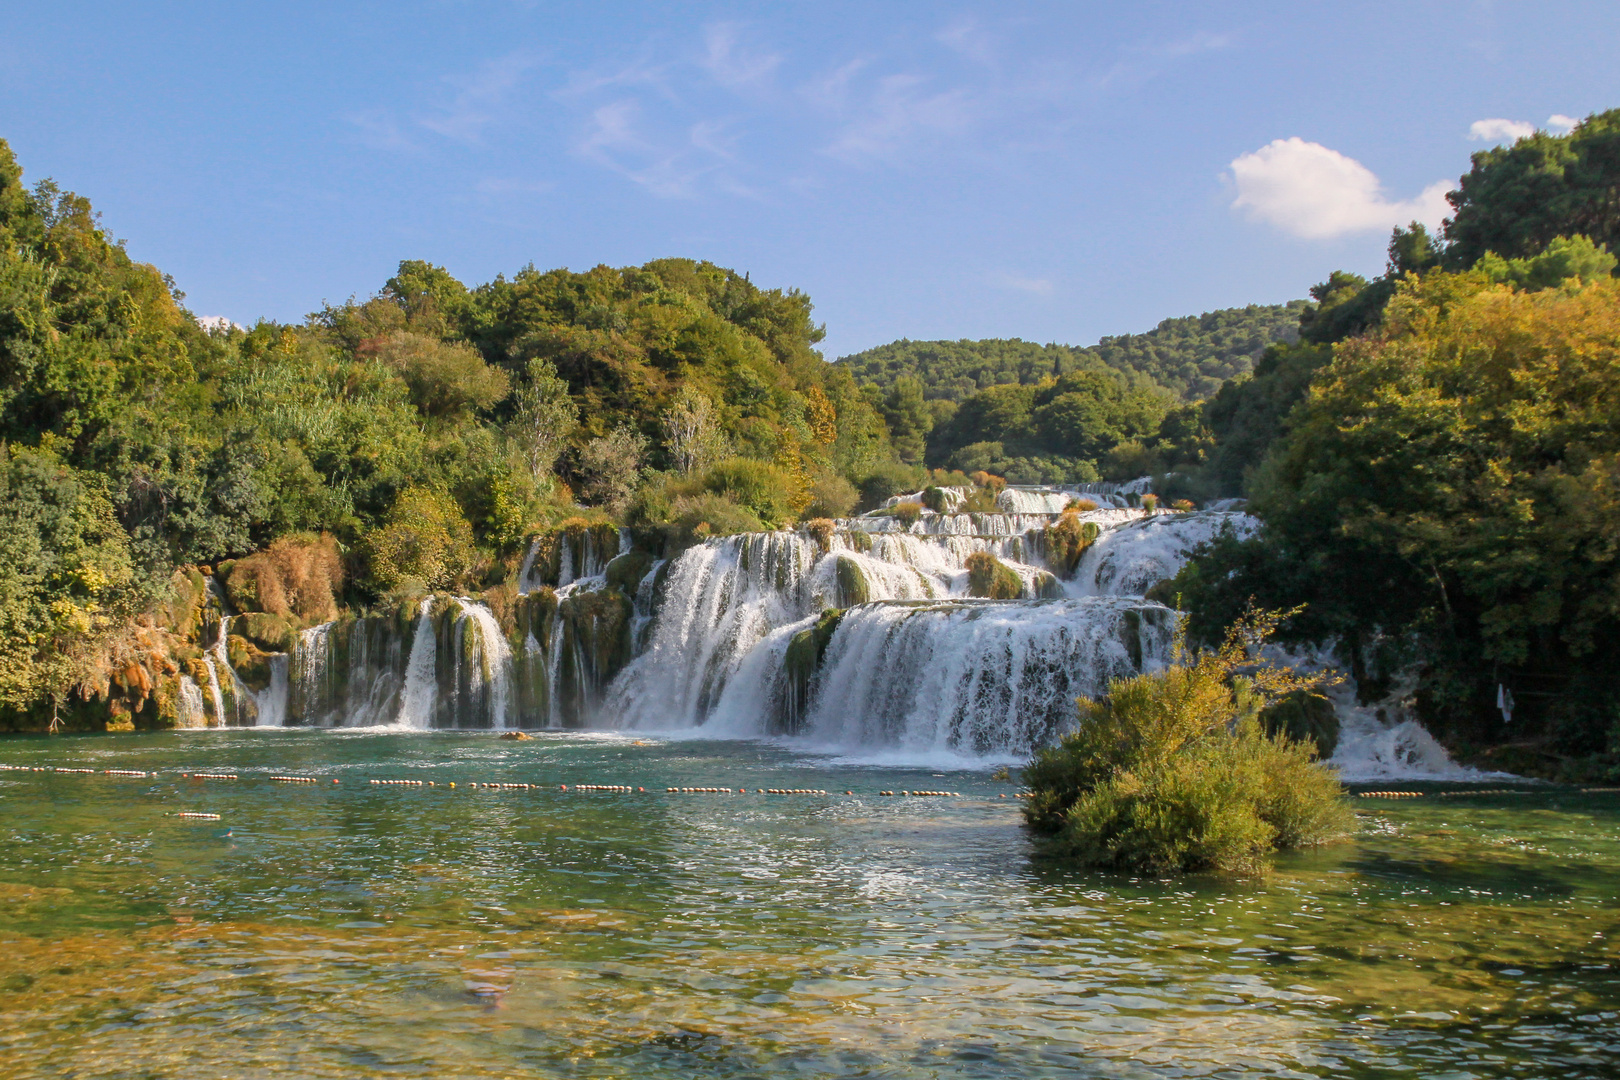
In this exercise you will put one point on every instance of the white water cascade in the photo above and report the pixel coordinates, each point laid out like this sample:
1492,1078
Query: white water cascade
1129,559
189,708
860,638
421,682
484,665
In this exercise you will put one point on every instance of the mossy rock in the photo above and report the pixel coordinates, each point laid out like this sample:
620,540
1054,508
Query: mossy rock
251,664
1047,586
852,586
992,579
626,571
1306,717
1066,540
800,662
271,633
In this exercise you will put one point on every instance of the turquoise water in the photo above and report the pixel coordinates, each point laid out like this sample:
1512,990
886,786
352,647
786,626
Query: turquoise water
359,930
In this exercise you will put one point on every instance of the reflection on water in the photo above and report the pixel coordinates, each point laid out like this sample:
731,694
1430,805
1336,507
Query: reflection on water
359,930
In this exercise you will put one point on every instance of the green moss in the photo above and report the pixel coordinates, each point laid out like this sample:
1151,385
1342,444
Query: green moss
992,579
1066,540
800,663
852,586
1047,587
251,664
626,571
270,633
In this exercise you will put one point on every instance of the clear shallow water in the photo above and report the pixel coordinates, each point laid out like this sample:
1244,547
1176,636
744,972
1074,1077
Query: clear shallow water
353,930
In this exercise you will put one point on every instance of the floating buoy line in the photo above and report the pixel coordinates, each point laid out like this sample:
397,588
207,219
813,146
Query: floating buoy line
629,789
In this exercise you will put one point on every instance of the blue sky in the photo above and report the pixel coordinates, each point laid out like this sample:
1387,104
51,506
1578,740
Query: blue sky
1049,171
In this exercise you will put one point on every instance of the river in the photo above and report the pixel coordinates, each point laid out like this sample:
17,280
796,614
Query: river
367,930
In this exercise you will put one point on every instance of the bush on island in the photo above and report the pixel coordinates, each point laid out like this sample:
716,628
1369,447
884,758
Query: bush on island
906,513
1174,770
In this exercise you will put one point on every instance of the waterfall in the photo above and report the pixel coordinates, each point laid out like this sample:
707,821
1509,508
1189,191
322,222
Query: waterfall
1129,559
486,678
719,600
213,689
1026,501
421,682
190,711
968,677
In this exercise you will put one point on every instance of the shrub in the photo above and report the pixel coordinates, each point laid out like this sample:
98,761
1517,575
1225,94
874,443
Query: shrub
831,497
426,540
764,488
934,498
822,530
1150,502
906,512
1081,506
889,479
1129,460
698,517
990,578
1175,772
297,575
985,480
1183,505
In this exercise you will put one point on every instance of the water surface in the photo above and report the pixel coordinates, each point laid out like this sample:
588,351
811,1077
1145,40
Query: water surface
358,930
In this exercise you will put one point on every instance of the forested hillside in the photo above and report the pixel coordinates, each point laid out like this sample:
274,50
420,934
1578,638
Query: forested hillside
1191,356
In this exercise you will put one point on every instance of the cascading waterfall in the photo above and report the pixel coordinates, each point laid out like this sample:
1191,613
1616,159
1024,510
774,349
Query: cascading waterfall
483,679
1129,559
861,638
421,682
720,599
189,707
213,689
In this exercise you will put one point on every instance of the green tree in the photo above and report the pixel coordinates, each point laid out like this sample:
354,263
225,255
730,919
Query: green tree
1517,199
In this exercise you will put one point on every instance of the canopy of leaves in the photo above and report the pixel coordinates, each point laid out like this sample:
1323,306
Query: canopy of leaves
1517,199
1450,487
1191,355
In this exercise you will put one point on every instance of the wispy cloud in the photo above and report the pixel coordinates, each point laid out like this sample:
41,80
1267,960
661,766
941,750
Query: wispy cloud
670,168
478,100
379,131
1140,63
900,109
731,63
1499,130
1018,283
1315,193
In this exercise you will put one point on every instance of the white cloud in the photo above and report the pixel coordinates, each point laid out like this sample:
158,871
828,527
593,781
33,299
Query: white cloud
1315,193
1560,123
1499,130
218,323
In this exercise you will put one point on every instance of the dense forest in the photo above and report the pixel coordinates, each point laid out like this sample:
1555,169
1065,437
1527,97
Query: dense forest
1190,356
1434,453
